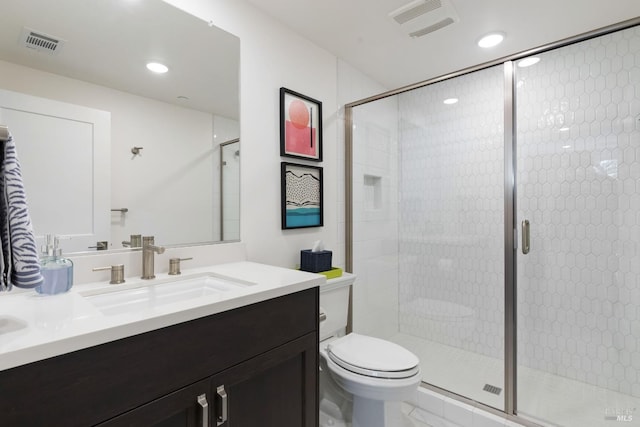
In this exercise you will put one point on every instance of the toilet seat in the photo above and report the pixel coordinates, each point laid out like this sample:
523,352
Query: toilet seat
373,357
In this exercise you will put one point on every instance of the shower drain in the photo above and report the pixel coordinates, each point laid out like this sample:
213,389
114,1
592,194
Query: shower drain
492,389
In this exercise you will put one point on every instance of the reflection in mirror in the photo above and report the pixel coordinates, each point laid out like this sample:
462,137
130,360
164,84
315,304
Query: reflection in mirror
109,149
230,189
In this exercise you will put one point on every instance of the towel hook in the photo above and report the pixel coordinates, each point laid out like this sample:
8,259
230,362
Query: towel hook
137,151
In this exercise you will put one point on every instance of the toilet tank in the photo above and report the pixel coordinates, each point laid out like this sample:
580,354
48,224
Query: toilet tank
334,303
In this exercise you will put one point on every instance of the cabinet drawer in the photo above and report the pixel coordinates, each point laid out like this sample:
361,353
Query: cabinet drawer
92,385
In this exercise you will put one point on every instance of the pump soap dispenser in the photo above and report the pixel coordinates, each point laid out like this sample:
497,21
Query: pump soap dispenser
56,270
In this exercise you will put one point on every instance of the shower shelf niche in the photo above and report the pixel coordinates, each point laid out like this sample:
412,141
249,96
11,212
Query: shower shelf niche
372,192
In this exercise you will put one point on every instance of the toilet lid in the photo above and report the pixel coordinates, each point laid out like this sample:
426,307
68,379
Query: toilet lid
373,357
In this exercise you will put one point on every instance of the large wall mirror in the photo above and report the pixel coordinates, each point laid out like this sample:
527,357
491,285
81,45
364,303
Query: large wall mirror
108,148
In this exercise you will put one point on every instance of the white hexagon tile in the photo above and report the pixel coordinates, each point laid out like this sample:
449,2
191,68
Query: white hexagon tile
451,212
578,113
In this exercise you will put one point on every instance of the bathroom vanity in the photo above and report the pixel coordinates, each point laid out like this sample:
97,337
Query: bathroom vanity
251,362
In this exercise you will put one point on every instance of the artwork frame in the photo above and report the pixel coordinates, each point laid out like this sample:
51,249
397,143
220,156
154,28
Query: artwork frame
301,196
300,126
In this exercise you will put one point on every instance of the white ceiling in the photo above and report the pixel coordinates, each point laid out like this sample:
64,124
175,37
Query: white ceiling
362,33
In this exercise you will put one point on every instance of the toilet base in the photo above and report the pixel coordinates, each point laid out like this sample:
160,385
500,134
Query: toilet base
377,413
328,420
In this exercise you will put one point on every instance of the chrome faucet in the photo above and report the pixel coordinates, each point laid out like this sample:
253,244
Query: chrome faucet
148,259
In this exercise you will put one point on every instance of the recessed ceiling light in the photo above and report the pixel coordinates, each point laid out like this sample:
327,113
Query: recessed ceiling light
528,62
450,101
491,40
157,67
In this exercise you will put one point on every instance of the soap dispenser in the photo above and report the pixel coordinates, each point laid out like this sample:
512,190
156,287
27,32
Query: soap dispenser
56,270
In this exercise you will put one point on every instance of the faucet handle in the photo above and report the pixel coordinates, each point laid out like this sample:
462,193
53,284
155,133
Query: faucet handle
135,241
101,245
117,273
174,265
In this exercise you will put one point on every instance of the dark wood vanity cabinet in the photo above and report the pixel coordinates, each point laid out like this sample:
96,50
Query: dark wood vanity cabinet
255,366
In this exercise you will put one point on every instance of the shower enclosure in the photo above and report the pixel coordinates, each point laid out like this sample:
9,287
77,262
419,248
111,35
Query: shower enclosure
493,221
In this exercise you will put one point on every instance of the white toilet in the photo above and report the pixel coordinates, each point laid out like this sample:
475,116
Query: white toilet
376,374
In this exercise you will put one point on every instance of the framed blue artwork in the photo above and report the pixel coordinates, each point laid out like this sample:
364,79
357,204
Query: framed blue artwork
301,195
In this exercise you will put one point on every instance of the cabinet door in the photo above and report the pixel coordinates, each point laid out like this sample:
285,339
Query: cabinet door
187,407
276,389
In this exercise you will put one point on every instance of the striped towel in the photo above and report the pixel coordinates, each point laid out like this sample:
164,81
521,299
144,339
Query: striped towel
19,260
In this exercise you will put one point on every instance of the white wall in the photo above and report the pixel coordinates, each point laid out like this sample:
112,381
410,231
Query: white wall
272,56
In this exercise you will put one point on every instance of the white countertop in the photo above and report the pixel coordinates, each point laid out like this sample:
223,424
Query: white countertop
35,327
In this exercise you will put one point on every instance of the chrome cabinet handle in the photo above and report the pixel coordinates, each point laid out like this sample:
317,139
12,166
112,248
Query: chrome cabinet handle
202,401
526,237
323,316
223,414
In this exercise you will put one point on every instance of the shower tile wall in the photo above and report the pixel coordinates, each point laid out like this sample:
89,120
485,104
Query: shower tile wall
375,213
451,252
352,85
579,185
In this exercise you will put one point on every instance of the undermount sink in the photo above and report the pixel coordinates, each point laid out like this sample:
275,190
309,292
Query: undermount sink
148,296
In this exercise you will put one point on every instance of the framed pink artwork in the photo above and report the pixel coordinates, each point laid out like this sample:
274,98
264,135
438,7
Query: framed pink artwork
300,126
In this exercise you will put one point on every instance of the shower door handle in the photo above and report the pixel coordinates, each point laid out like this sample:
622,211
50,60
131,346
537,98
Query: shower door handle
526,237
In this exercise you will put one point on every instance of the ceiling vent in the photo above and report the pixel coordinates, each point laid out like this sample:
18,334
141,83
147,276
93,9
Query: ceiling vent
41,42
421,17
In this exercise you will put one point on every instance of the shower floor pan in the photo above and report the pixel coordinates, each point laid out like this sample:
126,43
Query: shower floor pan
543,397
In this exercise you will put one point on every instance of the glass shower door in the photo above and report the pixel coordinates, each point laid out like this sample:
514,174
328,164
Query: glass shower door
578,186
451,233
